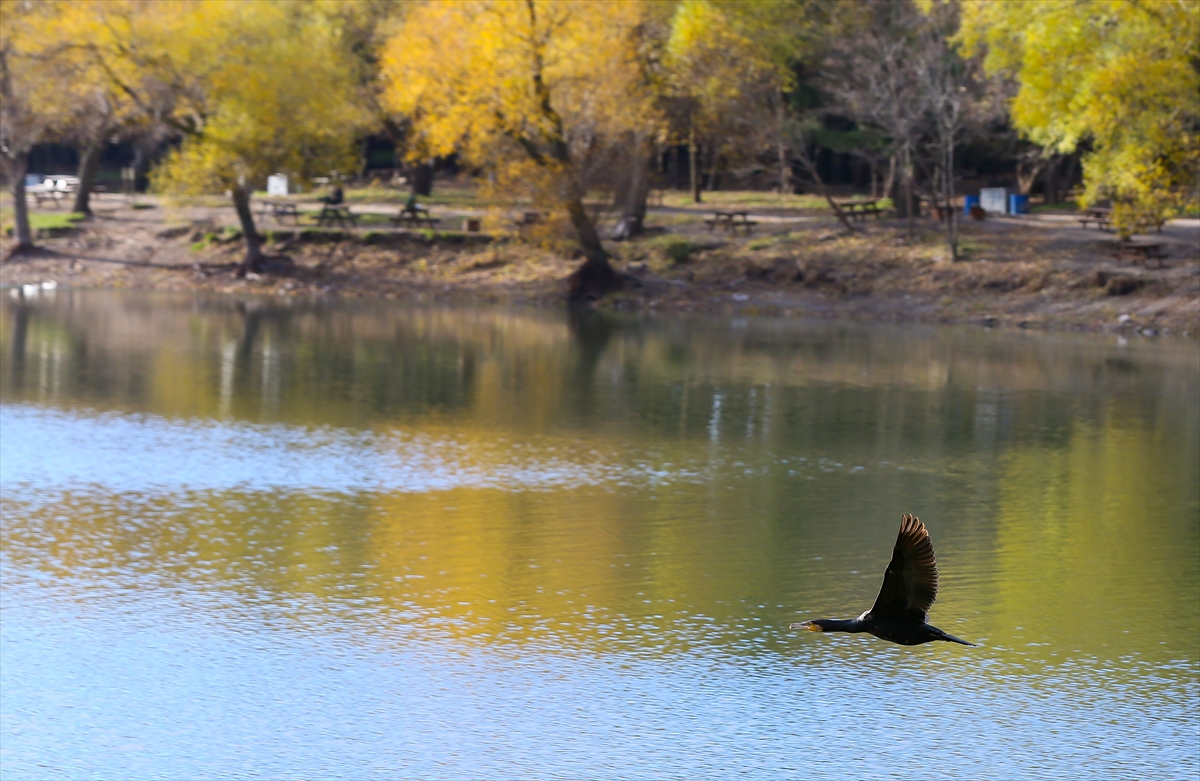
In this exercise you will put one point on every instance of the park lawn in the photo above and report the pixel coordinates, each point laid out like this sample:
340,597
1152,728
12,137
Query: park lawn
468,195
453,195
1065,206
43,220
749,199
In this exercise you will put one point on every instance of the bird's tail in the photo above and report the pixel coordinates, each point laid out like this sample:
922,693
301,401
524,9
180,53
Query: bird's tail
949,638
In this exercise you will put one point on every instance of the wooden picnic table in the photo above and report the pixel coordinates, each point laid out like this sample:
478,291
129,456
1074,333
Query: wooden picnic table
1102,216
53,190
339,214
529,219
730,221
860,209
1146,250
414,217
280,210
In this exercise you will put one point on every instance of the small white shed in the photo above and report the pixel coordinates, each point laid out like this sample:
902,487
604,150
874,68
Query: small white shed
994,200
277,184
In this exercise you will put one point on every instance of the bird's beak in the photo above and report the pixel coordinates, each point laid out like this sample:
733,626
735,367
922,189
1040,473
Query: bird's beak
809,625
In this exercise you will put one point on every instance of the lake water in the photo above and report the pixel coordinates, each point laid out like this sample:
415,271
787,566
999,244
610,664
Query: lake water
262,538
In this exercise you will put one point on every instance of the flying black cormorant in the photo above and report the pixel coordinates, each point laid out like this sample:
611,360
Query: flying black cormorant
909,588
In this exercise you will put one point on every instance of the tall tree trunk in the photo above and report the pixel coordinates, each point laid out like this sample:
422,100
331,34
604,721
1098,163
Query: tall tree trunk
366,159
252,262
713,158
897,192
891,177
139,162
624,172
421,181
694,166
785,168
909,209
22,234
88,159
1071,175
1052,193
948,198
637,184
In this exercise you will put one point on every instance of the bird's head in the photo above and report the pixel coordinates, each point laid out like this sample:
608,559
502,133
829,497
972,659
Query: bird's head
816,625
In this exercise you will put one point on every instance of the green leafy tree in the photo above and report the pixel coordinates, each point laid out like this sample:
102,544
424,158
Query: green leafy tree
1121,76
253,88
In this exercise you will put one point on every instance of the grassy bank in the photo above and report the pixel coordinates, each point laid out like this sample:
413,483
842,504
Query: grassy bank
797,262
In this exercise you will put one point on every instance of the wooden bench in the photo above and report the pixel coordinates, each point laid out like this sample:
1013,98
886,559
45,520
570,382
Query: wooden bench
730,222
860,210
339,214
281,209
1099,215
1143,225
1142,251
414,218
528,220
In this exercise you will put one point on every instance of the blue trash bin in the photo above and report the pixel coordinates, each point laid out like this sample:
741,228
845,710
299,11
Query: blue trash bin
1018,204
968,202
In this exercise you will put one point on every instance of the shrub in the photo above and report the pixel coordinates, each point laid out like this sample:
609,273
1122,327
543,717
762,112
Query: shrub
675,248
204,242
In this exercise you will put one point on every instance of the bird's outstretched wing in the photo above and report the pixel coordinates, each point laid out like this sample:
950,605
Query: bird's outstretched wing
911,580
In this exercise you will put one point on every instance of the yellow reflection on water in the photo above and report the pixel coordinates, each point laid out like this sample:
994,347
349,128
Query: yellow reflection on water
1091,547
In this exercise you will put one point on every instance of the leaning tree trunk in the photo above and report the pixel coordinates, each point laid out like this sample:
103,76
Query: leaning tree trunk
252,262
87,177
596,277
23,235
816,175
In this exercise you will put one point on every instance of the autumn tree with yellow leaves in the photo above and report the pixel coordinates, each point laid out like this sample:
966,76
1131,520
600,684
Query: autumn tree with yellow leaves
544,86
729,65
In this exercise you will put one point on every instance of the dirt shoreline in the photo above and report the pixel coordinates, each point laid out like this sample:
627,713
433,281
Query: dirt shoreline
1044,273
